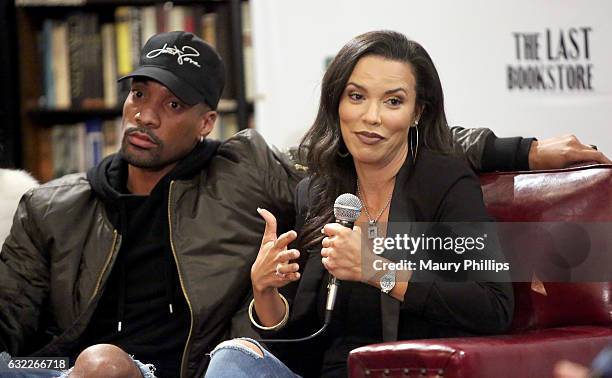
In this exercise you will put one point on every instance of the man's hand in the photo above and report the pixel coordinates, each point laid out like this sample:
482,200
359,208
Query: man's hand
561,152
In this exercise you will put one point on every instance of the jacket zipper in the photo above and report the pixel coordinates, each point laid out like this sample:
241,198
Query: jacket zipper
180,278
105,266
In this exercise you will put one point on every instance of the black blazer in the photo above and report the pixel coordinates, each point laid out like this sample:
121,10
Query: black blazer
438,188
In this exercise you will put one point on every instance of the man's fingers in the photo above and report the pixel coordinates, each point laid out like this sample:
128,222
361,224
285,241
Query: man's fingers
601,158
581,152
269,234
589,154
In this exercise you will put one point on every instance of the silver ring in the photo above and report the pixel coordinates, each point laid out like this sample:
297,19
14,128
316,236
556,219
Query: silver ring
278,273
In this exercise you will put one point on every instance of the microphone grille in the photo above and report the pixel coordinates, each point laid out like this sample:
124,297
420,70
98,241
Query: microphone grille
347,207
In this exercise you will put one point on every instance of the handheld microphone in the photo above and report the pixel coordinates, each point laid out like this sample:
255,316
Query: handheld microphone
347,209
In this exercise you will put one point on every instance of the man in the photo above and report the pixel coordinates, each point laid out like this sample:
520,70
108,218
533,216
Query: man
152,250
150,253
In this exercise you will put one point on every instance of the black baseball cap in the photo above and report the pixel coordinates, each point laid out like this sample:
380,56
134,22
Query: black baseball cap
191,68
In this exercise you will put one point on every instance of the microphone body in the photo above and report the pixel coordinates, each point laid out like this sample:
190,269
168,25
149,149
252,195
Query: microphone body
347,209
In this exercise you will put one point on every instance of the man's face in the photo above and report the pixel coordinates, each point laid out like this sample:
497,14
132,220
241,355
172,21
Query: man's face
158,128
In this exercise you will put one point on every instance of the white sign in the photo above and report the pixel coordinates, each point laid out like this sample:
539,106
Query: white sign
521,67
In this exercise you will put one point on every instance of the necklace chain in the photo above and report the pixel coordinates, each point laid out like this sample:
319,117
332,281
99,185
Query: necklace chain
365,206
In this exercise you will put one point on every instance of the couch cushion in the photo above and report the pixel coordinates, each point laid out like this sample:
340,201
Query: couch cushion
582,194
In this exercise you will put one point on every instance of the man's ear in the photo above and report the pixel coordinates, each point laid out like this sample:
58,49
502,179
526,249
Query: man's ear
207,122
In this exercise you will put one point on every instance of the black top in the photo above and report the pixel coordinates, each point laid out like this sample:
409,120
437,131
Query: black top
438,189
139,291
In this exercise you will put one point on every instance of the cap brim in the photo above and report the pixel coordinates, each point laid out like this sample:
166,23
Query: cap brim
183,91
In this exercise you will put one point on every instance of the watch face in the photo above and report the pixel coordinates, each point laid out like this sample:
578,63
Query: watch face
387,282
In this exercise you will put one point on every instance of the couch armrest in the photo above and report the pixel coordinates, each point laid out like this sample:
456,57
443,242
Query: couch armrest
531,354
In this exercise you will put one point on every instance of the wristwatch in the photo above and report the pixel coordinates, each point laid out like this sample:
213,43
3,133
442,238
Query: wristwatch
387,282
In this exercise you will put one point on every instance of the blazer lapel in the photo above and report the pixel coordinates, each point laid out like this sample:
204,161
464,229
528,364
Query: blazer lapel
400,211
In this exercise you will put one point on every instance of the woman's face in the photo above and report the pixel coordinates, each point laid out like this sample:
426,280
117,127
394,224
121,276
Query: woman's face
376,110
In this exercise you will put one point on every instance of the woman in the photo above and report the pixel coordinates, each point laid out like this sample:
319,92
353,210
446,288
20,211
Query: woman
382,134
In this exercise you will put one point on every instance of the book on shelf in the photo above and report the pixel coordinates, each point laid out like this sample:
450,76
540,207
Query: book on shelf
94,142
85,54
209,28
111,136
135,21
148,23
45,42
60,65
80,146
176,18
109,66
247,52
124,47
223,44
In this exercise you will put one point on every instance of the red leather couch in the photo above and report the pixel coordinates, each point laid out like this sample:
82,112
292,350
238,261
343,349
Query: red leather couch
557,321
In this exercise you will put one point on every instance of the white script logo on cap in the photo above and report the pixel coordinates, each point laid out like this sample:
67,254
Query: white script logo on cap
184,54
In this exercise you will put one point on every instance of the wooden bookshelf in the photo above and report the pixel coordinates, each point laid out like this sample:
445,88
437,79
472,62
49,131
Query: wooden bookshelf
40,21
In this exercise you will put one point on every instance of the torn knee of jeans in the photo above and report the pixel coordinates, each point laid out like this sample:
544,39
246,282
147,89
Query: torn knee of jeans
241,345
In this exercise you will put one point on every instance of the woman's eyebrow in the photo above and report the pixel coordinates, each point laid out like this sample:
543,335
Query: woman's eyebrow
400,89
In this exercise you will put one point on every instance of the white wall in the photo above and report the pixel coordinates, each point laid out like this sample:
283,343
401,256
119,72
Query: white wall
471,43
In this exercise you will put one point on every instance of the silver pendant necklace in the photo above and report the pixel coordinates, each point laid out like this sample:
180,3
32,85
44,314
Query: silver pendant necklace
372,223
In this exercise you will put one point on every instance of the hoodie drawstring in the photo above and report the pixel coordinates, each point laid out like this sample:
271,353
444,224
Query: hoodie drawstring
169,277
122,273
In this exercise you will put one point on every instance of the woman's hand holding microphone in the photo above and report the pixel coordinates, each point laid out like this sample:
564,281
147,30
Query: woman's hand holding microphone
341,252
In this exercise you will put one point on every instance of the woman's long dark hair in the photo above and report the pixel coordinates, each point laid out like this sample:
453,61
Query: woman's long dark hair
331,174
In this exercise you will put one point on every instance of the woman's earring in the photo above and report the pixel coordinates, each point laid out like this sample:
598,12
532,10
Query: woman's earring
201,138
413,140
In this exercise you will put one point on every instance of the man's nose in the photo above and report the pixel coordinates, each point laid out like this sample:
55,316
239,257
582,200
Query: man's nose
147,117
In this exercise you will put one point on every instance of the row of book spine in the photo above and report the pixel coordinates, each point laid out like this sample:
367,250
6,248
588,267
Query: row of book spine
80,146
84,53
77,147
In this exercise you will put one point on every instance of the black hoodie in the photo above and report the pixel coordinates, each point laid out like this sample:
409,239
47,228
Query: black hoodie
142,308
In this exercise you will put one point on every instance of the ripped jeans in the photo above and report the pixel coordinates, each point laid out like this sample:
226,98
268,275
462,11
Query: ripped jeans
234,360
